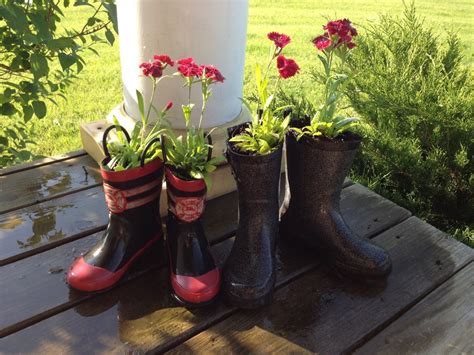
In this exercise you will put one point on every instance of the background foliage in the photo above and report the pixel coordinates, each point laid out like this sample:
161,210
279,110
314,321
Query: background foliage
417,99
39,59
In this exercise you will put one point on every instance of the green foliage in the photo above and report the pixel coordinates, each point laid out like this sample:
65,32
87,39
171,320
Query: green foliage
188,155
417,100
127,155
267,130
39,59
326,119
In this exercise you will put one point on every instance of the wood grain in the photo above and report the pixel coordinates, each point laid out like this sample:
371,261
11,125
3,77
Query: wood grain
329,315
43,183
442,323
157,323
36,286
41,162
39,227
43,226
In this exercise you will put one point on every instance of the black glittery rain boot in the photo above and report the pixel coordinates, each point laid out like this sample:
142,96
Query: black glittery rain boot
316,170
195,278
249,272
133,199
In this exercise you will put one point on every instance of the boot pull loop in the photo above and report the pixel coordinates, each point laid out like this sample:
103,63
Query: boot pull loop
149,144
106,134
163,148
209,150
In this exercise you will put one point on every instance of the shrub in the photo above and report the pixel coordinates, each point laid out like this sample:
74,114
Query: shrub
40,56
417,100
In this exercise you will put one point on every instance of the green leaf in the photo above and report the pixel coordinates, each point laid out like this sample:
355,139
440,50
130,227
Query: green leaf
141,106
39,65
66,60
39,108
112,12
7,109
110,37
27,112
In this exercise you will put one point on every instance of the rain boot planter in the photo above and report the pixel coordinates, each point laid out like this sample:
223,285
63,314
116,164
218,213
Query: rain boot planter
133,175
316,169
195,279
320,151
133,199
249,273
254,151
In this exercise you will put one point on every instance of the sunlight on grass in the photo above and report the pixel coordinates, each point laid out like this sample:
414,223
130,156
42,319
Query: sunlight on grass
99,88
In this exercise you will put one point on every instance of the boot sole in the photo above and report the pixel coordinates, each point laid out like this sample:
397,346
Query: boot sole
248,303
193,305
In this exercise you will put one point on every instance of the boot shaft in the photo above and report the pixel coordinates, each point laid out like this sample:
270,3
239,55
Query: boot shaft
317,169
132,191
257,177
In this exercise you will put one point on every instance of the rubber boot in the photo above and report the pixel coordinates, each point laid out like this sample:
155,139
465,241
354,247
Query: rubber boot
195,279
316,170
249,272
133,199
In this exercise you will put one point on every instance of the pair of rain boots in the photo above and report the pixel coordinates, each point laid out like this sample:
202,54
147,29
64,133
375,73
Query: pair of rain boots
133,199
311,216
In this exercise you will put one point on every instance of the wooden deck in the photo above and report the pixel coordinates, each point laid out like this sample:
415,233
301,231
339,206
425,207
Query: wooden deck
53,210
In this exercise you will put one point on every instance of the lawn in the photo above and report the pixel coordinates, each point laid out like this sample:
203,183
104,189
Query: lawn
99,88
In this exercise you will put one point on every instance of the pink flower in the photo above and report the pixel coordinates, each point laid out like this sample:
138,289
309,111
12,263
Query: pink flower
154,69
322,42
188,68
338,32
213,73
281,40
287,67
165,59
169,106
340,28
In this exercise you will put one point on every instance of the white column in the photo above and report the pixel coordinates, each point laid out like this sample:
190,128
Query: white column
211,31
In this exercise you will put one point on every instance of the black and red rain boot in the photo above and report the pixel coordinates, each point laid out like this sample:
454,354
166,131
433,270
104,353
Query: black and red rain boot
133,199
195,279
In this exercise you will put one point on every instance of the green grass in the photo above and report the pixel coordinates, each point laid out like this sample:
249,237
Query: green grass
99,88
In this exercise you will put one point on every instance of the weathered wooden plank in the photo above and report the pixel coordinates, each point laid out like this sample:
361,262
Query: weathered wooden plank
160,324
39,227
41,162
43,226
324,314
442,323
37,286
43,183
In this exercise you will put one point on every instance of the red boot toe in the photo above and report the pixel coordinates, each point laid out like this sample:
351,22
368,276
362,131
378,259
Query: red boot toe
86,277
197,289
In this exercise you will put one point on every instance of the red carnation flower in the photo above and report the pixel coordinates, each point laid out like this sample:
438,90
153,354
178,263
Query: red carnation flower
154,69
169,106
213,73
322,42
351,45
164,59
186,61
188,68
281,40
340,28
287,67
